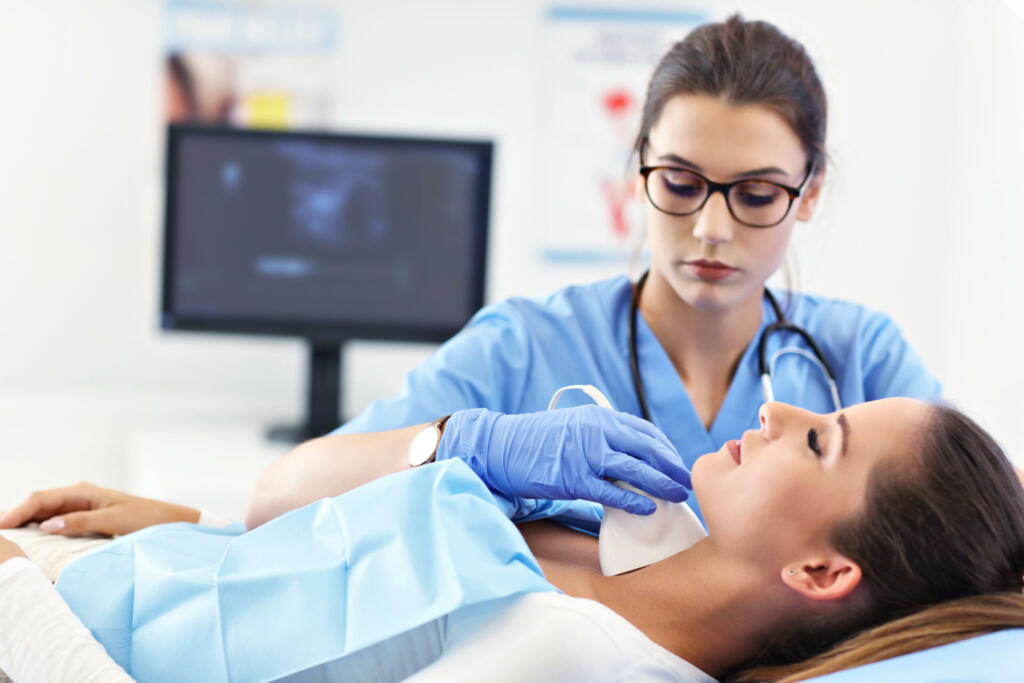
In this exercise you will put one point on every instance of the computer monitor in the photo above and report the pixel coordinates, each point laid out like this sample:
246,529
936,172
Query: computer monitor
325,236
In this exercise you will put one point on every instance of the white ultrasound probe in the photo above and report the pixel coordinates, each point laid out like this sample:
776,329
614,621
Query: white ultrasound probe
627,541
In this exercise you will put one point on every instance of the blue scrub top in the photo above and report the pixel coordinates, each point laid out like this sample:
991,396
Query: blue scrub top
513,355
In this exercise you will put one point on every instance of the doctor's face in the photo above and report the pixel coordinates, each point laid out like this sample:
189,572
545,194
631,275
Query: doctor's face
778,491
711,260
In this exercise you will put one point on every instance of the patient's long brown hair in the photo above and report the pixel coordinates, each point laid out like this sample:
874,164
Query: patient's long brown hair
940,544
946,623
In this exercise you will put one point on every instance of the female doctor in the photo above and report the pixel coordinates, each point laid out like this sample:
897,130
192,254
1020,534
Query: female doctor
731,157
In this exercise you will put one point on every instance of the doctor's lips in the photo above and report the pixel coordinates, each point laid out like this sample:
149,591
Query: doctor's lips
709,270
735,450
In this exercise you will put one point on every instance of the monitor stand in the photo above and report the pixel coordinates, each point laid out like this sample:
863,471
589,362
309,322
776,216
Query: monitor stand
323,384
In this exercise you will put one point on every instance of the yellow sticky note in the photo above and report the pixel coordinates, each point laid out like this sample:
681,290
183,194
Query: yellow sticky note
266,110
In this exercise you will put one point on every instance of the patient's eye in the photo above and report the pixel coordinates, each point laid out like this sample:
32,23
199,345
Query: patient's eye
812,441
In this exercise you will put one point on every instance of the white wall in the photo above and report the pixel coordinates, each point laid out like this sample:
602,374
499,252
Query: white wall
921,221
984,317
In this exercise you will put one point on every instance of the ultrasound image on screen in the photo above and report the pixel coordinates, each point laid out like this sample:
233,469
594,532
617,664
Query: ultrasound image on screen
278,228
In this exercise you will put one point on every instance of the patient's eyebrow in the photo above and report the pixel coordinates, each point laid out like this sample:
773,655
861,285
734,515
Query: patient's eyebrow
845,426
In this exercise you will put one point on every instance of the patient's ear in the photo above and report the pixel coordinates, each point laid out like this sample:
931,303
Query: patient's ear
826,577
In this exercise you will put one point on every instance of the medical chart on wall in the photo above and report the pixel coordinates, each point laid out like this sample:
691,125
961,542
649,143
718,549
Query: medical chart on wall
250,63
596,64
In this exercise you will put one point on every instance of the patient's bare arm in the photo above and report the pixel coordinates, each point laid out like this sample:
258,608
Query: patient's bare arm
85,508
9,549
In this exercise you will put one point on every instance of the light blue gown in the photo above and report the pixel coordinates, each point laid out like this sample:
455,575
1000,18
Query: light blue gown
352,588
513,355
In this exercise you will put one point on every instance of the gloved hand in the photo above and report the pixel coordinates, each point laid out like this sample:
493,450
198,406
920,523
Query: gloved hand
568,454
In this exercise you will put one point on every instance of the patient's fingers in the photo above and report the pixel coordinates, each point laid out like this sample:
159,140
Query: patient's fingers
42,505
84,508
108,520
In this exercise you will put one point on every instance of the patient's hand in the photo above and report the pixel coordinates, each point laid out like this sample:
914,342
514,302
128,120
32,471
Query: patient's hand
85,509
9,549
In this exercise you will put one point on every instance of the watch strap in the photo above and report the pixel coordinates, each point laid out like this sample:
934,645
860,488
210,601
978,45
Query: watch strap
440,424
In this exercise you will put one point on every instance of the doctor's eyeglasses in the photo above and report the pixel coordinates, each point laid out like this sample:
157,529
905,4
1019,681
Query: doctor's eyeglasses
755,203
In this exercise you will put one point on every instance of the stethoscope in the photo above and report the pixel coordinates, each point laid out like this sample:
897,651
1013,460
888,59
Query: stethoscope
766,368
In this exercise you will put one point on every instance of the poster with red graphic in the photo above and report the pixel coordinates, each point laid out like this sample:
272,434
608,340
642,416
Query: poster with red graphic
597,62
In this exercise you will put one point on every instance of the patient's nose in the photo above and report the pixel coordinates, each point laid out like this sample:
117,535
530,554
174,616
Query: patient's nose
773,419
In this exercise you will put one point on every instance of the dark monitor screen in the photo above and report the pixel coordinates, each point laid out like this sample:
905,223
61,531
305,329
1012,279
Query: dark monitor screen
324,235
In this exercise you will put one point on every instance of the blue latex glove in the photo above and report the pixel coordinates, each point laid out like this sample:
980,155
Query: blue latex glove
568,454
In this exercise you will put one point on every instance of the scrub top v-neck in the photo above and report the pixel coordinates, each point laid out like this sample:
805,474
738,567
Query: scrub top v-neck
513,355
672,408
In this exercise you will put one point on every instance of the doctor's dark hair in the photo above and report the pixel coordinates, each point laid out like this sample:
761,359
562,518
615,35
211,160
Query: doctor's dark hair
743,62
940,544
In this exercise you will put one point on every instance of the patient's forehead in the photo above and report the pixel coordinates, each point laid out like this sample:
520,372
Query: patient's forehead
886,428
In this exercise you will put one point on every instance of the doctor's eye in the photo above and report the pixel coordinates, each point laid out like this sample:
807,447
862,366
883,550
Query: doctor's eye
757,195
683,184
812,442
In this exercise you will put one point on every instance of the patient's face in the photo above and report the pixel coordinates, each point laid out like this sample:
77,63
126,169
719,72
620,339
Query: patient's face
782,490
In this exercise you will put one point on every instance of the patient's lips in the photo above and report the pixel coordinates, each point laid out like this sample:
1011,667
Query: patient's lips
734,450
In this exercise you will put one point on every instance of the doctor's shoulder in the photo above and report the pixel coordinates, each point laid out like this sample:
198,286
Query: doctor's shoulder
515,352
865,345
568,316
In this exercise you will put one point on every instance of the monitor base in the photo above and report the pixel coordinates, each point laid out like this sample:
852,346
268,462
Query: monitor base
323,395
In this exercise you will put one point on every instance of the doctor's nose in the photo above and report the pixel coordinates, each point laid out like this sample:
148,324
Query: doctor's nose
714,223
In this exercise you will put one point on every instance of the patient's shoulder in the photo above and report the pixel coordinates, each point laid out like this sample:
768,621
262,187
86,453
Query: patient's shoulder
552,636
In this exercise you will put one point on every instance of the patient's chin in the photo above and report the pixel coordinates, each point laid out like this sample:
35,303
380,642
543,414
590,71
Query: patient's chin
711,486
702,471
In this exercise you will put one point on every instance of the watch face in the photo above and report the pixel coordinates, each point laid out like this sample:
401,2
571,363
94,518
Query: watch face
424,445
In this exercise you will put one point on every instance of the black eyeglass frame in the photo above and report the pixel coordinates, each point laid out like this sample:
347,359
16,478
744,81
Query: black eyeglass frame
725,188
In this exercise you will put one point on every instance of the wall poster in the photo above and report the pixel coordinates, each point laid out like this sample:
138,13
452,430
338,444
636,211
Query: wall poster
250,63
596,65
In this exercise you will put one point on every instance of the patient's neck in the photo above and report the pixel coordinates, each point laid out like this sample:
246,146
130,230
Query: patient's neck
712,612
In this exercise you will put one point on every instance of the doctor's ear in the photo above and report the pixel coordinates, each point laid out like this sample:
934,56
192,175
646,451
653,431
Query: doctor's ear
811,195
639,192
829,577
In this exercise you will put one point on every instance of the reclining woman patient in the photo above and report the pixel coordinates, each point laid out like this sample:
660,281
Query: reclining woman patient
820,527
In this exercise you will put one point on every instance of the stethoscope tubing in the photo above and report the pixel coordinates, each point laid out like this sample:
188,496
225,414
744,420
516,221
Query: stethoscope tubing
781,324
